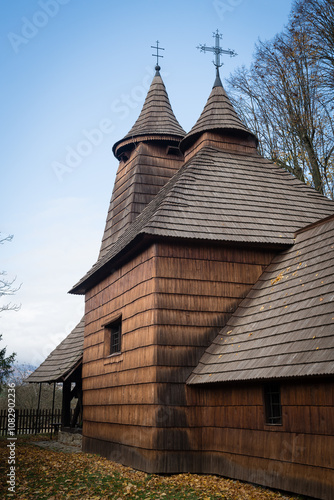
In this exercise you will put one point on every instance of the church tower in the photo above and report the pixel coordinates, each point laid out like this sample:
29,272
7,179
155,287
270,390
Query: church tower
148,155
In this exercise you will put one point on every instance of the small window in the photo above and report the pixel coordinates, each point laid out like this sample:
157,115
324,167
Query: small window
172,150
113,337
272,403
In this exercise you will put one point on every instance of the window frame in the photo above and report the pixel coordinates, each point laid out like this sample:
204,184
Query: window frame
113,337
272,404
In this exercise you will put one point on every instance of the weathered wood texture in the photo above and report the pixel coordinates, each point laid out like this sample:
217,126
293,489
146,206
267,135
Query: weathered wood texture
227,423
155,118
229,142
173,300
218,114
118,391
137,408
139,178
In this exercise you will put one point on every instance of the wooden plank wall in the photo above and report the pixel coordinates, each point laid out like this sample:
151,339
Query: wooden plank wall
228,141
223,430
119,391
198,288
173,300
230,437
138,180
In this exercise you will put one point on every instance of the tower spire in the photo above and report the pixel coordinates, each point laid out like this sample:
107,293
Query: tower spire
157,55
218,51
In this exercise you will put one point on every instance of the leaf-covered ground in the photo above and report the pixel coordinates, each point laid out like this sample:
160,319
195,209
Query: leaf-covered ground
51,475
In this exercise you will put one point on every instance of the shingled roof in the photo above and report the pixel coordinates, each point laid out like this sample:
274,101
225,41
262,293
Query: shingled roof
156,117
218,114
62,360
226,197
140,174
285,326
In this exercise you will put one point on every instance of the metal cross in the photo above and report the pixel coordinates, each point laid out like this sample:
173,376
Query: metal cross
217,50
157,55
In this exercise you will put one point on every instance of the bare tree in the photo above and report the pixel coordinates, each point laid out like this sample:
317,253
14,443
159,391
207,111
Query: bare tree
7,286
318,18
27,394
282,100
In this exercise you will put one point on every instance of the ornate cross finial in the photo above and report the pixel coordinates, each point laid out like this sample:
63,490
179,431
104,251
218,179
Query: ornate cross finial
217,50
157,55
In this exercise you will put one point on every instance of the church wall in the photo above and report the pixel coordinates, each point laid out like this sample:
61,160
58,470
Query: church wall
119,390
230,437
137,408
198,288
173,300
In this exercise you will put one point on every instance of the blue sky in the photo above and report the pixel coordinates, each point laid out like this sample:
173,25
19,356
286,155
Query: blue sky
74,78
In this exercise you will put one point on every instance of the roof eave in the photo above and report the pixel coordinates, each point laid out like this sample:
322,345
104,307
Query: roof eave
143,239
130,142
242,380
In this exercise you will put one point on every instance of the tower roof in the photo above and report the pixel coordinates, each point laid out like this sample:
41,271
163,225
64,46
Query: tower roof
219,115
221,196
156,117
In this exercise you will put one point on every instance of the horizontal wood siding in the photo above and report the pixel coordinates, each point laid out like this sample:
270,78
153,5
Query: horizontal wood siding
173,299
119,391
227,429
223,428
197,289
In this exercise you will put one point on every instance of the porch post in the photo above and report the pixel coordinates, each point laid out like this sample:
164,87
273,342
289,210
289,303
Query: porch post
66,406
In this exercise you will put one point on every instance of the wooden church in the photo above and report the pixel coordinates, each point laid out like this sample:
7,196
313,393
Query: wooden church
209,315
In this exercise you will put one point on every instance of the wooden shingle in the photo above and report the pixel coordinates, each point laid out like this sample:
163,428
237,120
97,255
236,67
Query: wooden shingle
224,197
218,114
156,116
285,326
145,162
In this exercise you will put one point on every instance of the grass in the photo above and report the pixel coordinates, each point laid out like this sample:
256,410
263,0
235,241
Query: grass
44,474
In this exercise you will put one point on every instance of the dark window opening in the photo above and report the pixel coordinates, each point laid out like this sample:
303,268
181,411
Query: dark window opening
172,150
124,157
114,336
272,403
